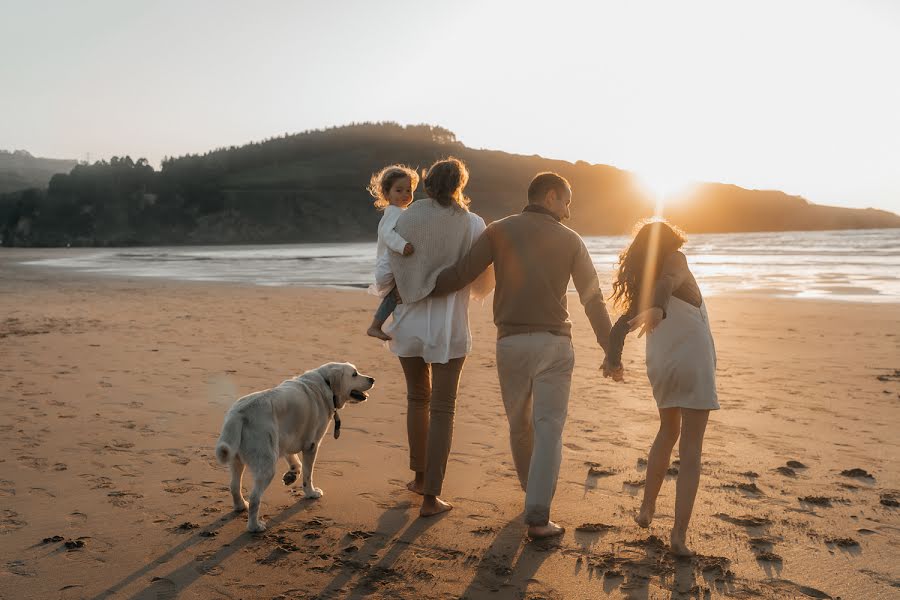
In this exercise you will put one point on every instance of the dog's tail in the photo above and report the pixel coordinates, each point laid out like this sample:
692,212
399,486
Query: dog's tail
230,439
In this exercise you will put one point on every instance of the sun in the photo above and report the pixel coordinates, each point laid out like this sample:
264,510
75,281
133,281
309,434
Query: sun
663,186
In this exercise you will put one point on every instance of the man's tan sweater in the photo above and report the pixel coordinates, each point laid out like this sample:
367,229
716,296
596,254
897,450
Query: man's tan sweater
534,256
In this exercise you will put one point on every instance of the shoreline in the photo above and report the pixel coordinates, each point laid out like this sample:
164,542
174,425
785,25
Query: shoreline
115,390
20,257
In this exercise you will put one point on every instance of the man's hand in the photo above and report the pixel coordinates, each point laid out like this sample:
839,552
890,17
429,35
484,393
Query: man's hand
615,373
647,320
408,249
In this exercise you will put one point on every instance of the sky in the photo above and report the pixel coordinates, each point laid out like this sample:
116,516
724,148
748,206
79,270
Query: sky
797,95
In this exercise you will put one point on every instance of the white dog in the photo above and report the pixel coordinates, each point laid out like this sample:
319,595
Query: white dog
293,417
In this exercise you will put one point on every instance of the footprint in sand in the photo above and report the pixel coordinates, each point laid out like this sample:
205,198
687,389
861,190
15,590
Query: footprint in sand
889,500
101,483
177,486
786,471
33,462
7,488
44,493
162,589
858,473
127,470
744,521
18,567
76,518
178,459
10,521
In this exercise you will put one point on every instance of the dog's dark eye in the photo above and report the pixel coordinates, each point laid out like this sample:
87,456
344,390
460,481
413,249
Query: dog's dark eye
355,373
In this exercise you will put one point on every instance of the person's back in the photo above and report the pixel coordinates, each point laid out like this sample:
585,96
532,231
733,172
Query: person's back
533,257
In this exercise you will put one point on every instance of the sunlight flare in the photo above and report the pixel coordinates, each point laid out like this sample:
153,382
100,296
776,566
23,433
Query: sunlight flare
663,187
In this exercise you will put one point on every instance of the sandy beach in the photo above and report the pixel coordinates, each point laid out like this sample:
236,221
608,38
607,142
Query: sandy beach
113,392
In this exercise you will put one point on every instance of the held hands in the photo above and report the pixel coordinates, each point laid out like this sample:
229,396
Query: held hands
646,320
408,249
616,373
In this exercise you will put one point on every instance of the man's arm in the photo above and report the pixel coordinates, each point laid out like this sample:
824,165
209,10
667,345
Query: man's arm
585,278
470,266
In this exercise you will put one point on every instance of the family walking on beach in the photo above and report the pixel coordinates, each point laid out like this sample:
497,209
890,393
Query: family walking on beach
434,255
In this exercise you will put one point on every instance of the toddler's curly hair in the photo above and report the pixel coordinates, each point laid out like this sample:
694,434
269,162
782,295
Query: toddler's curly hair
381,182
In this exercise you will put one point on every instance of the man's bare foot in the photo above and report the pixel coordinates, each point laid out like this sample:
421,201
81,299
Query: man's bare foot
376,332
432,505
544,531
416,486
645,516
679,546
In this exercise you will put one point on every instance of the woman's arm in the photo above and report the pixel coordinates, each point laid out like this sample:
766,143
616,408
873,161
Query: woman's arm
617,340
674,273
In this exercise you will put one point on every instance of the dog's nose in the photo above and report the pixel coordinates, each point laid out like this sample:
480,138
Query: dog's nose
371,380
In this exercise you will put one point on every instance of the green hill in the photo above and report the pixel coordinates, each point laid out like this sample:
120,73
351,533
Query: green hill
310,187
20,170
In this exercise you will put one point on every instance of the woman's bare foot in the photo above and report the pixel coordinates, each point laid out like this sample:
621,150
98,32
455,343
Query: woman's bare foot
678,544
416,486
376,332
544,531
432,505
645,516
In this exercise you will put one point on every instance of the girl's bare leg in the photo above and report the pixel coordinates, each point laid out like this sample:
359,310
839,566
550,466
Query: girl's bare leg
693,428
658,462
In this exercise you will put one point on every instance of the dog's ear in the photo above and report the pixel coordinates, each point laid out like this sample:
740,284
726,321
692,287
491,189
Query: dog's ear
334,373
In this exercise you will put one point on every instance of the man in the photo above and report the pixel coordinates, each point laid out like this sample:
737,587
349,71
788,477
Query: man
534,255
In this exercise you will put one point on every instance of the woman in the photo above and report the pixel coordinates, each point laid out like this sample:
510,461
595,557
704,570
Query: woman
659,294
431,335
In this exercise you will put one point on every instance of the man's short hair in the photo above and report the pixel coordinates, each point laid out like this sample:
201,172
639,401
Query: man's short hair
543,183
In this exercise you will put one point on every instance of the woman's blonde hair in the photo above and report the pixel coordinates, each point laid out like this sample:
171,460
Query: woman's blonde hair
641,262
445,181
382,181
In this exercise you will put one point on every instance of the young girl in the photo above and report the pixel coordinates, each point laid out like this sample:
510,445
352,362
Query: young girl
658,293
392,188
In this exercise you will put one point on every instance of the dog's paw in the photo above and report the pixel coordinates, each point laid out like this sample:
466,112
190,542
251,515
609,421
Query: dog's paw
314,493
257,527
239,508
289,477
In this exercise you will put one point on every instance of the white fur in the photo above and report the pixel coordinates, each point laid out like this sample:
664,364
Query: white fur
282,422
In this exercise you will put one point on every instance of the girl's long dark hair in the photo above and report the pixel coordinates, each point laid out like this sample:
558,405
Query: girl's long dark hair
641,261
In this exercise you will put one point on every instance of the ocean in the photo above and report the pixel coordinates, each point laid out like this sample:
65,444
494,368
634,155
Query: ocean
859,265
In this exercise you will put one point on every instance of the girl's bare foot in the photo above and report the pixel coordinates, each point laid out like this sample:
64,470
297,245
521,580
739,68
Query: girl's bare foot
645,516
544,531
679,547
416,487
432,505
376,332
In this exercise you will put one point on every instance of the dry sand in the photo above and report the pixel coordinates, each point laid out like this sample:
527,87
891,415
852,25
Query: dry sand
113,392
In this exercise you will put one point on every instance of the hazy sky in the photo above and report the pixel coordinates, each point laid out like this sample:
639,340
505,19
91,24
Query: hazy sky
797,95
